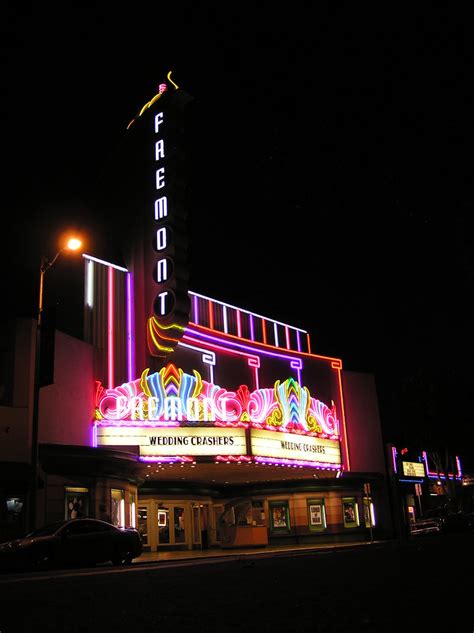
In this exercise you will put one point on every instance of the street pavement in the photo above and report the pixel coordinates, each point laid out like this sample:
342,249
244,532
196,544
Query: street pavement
421,586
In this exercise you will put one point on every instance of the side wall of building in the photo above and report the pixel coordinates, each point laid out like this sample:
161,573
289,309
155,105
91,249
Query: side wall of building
67,406
364,434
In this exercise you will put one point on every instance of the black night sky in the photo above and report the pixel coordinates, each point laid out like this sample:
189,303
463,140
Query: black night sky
332,183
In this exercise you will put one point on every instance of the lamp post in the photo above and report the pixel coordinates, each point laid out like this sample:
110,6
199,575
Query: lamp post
73,245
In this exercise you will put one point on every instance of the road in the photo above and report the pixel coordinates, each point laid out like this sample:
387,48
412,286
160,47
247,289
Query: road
421,586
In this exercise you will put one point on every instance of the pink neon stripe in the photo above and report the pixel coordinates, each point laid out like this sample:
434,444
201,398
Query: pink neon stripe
110,328
218,344
196,313
287,335
239,325
130,330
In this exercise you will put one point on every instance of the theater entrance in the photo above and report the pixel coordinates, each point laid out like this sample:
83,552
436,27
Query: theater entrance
176,524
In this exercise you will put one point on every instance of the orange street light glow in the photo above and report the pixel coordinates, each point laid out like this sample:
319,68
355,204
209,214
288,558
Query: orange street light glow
73,244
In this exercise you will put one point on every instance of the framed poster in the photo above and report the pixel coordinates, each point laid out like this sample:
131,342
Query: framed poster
279,516
76,503
316,514
350,512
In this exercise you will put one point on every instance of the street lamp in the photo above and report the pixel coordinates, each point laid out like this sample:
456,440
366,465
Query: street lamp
73,244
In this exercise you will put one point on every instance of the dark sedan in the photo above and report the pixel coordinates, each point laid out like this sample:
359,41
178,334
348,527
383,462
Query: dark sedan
78,542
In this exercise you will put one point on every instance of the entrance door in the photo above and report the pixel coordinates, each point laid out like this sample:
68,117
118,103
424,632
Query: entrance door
171,524
143,515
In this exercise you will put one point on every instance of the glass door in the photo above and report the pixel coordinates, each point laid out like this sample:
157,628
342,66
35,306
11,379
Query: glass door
164,535
143,525
171,523
179,525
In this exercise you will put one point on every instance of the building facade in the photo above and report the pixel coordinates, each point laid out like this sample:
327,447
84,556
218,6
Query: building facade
199,422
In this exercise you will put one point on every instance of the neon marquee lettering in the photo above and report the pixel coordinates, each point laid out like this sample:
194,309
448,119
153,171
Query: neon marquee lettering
161,239
171,408
160,178
162,297
161,208
159,149
158,121
162,270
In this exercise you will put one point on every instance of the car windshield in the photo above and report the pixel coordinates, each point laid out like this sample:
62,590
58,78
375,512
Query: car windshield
47,530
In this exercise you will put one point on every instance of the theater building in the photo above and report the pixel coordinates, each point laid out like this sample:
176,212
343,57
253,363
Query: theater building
199,422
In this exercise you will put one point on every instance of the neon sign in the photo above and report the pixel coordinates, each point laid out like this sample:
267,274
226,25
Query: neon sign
166,289
171,397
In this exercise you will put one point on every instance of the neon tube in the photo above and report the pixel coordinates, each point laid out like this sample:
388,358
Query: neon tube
231,339
224,345
264,331
394,459
89,284
343,416
195,307
211,315
239,325
196,294
208,357
224,313
253,360
252,331
297,462
110,328
287,335
101,261
130,330
298,340
433,475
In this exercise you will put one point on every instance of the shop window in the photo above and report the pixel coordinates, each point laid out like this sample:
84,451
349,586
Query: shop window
279,516
316,514
258,513
350,512
117,504
76,502
133,510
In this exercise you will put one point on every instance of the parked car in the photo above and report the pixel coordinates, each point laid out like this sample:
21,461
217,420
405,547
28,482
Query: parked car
442,521
77,542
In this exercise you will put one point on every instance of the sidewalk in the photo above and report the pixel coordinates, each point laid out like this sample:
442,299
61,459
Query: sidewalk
269,550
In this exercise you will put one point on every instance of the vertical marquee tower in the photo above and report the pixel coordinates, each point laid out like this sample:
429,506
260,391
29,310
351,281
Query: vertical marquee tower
153,196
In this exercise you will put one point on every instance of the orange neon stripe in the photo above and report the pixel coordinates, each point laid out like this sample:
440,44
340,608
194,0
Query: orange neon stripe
346,446
309,343
211,314
279,349
264,331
